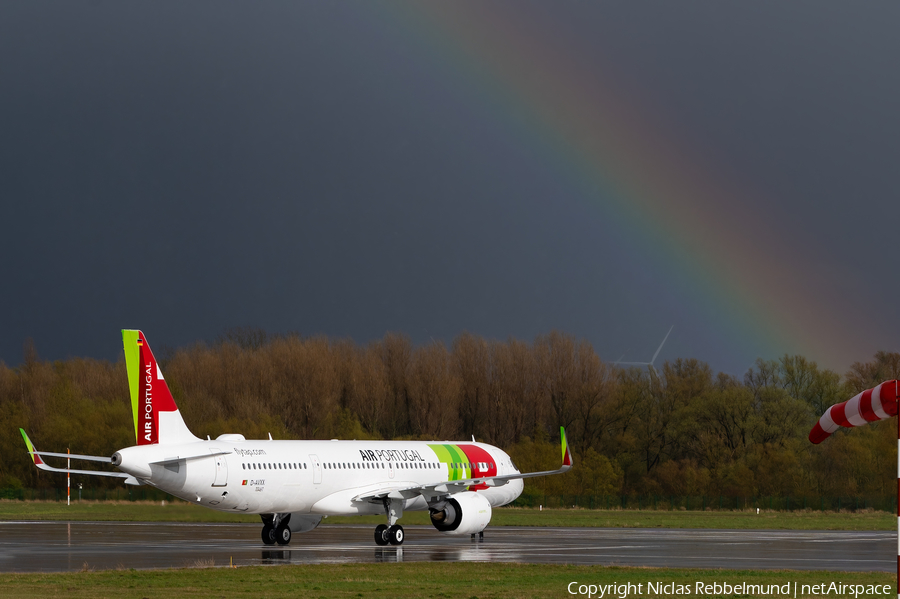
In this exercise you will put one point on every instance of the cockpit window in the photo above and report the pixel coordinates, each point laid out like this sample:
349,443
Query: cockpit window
511,463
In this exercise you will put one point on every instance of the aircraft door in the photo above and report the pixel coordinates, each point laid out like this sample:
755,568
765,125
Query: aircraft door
317,469
221,469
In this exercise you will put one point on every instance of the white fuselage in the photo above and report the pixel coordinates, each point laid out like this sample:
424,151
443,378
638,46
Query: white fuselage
311,477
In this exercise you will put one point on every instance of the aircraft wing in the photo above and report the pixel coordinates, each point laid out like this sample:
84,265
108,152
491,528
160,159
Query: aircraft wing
73,456
407,491
36,458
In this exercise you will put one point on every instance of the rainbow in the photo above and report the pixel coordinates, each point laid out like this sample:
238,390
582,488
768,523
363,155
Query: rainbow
711,237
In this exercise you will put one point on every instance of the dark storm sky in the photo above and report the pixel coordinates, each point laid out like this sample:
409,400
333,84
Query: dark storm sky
317,167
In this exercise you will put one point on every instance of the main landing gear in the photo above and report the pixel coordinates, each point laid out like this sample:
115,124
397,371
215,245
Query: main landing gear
275,529
385,534
391,533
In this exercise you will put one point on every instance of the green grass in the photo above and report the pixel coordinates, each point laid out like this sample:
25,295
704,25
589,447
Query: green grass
116,511
412,580
179,511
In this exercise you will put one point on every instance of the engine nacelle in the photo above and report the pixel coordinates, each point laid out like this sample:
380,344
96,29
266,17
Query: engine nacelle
461,514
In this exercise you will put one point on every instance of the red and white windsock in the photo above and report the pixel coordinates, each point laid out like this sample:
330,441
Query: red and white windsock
879,403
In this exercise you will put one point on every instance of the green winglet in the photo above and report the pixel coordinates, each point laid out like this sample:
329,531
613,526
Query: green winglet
29,445
566,455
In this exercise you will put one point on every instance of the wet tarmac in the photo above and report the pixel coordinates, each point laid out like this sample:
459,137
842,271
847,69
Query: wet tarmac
65,546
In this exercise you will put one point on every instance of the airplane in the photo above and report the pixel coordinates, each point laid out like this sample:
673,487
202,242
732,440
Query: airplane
292,485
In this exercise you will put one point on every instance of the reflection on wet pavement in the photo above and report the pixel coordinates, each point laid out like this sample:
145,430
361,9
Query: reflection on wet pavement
61,546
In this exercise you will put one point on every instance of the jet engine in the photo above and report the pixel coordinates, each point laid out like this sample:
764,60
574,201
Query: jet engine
463,513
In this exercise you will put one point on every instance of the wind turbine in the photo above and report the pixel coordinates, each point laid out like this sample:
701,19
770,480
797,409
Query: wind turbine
652,360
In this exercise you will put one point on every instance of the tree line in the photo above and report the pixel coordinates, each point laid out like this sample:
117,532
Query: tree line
681,431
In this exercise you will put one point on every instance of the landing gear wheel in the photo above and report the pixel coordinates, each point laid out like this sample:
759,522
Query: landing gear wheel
381,534
396,534
268,534
283,535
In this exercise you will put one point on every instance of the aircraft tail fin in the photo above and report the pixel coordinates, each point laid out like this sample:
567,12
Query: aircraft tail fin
156,417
